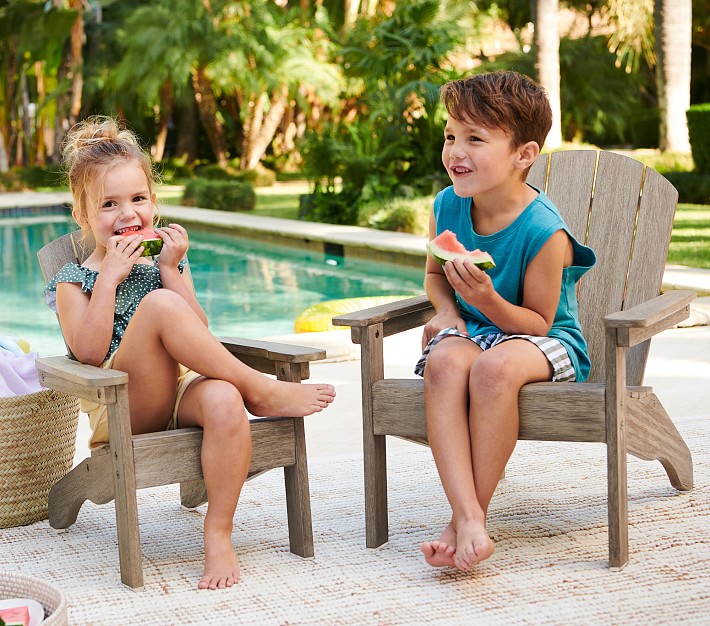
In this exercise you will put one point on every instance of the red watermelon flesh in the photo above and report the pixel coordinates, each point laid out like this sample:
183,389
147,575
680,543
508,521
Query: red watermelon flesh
152,241
446,247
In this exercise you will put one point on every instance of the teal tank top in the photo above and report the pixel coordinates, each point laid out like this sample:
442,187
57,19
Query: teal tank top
512,249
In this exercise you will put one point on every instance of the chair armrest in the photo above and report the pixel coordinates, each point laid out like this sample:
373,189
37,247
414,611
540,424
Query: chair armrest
649,318
273,358
77,379
395,317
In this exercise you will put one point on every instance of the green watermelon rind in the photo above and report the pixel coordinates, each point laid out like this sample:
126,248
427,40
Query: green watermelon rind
483,260
152,247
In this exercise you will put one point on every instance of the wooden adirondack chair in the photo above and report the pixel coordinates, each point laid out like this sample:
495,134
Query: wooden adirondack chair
624,211
130,462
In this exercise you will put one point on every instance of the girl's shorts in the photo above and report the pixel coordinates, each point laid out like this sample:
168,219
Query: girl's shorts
554,351
98,413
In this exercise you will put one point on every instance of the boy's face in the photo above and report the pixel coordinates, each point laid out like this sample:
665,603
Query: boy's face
478,159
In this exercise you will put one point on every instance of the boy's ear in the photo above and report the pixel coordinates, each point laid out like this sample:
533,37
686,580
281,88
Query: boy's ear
527,154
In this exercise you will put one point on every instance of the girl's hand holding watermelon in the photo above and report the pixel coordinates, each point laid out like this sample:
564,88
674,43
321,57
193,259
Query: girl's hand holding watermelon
175,245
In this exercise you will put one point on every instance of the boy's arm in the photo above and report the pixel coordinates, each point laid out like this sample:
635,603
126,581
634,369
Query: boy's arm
441,295
541,289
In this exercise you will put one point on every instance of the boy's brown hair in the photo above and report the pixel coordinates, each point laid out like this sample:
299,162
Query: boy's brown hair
506,100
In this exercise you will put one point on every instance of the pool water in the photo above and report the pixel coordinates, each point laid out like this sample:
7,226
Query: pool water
247,288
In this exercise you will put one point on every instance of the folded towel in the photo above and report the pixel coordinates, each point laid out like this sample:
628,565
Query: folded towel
18,374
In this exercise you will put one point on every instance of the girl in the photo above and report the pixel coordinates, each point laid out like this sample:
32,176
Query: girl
494,331
120,310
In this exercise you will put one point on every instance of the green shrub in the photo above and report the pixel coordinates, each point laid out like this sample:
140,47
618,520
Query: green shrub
11,181
698,117
406,215
693,187
35,176
173,169
222,195
259,177
329,207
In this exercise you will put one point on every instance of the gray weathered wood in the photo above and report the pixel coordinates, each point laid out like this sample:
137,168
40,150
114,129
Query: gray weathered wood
624,212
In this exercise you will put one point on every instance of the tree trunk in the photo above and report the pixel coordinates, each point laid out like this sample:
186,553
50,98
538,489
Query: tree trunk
165,110
187,133
76,61
207,108
547,50
259,129
673,32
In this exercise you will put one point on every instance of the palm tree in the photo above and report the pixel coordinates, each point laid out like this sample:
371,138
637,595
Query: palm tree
547,46
673,30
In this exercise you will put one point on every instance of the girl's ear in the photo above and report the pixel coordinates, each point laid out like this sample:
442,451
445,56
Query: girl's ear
78,219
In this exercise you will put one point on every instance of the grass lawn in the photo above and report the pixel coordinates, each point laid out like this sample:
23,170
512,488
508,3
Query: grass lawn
690,239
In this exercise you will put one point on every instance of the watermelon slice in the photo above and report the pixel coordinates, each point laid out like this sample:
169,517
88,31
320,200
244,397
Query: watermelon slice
446,247
152,242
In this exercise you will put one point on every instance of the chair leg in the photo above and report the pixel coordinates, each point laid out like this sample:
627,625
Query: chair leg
614,408
193,493
124,485
90,480
652,435
375,468
298,497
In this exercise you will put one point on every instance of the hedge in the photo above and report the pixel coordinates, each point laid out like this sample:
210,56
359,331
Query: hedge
698,117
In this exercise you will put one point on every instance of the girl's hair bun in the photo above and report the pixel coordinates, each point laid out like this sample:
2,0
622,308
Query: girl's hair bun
92,132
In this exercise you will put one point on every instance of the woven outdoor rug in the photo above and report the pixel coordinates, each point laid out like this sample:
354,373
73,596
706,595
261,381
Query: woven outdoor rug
548,519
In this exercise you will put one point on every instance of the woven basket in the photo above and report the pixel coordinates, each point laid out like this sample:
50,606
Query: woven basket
14,585
37,444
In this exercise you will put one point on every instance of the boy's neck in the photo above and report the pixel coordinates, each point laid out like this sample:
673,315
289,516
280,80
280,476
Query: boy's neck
491,213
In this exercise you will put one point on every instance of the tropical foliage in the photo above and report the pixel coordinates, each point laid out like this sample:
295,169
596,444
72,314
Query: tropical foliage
345,91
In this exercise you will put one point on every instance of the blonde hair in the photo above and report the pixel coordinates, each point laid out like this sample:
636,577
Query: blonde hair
90,149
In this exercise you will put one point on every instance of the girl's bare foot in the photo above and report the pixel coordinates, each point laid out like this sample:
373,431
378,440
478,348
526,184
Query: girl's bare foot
473,544
221,565
441,553
279,397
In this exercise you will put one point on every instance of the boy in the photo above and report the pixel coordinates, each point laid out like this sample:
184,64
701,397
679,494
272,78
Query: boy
493,331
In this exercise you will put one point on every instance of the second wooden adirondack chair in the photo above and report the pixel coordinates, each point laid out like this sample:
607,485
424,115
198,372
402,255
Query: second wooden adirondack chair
624,211
130,462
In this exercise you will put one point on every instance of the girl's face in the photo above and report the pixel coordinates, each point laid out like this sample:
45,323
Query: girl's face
478,159
120,203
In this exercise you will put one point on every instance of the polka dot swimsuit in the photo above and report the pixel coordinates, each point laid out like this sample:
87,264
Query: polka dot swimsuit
142,279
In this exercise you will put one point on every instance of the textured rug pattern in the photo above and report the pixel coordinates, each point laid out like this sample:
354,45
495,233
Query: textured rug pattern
548,519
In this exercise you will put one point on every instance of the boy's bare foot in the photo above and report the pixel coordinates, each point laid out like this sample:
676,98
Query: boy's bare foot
279,397
473,544
441,553
221,565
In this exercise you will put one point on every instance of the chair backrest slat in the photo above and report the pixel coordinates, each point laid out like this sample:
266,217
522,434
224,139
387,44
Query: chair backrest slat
624,212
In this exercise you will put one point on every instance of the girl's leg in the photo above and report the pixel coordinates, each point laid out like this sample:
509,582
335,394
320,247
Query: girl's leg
217,407
446,399
165,331
494,385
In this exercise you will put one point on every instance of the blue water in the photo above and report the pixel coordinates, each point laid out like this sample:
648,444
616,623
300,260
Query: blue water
247,288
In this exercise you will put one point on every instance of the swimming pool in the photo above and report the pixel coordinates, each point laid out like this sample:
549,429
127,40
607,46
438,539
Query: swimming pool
247,288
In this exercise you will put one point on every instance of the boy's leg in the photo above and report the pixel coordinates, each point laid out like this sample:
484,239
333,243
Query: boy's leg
446,399
495,381
165,331
217,407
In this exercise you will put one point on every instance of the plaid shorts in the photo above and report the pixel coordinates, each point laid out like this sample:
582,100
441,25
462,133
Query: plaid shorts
556,353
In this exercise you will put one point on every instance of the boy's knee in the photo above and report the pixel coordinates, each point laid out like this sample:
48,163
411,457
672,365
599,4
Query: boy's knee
493,371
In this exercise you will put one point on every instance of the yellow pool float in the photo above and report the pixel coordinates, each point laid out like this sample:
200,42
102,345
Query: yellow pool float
319,317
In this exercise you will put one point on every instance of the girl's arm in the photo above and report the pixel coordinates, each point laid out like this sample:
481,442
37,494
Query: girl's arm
87,319
175,245
441,295
541,289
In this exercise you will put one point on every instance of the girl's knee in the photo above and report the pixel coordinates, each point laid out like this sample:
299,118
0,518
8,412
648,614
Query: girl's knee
161,301
223,410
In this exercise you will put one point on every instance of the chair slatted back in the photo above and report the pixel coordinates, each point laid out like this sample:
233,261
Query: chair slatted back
624,211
